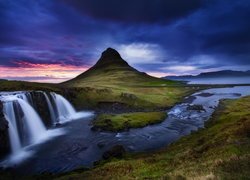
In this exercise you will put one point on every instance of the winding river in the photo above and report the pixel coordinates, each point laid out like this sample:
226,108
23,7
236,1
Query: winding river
79,146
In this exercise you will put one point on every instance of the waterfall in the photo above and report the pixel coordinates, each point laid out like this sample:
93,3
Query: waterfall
13,132
29,97
23,96
23,121
34,124
51,109
26,127
64,108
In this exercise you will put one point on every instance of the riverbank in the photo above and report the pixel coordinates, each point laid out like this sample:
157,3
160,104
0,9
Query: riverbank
221,150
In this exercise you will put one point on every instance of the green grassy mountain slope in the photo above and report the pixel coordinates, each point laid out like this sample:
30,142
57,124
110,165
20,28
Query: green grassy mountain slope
113,80
111,70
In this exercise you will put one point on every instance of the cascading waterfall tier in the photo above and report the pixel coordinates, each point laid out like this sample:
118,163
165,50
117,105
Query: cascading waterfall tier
26,126
51,108
65,110
13,132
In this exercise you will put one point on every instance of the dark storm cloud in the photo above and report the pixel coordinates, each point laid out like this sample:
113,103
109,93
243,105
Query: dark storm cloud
219,29
225,28
146,11
31,31
159,35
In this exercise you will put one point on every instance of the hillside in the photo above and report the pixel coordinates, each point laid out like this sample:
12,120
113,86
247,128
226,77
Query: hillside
111,70
113,81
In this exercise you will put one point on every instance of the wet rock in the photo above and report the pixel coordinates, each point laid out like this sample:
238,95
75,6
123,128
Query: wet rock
236,94
58,124
101,145
117,151
189,99
40,104
4,135
205,94
196,107
4,125
94,128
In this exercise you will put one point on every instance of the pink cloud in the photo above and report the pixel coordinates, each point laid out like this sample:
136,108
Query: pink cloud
37,72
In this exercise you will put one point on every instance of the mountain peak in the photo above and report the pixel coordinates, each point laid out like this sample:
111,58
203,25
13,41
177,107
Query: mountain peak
111,69
110,53
110,56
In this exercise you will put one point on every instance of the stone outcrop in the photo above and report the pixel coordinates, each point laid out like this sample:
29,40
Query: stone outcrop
40,104
4,136
196,107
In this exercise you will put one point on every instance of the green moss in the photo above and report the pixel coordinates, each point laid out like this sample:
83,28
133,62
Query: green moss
118,122
220,151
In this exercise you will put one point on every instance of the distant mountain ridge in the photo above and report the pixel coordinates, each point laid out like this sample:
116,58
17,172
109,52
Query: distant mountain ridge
214,74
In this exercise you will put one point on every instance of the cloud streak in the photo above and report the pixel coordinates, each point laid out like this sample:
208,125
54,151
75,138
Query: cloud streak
154,36
53,73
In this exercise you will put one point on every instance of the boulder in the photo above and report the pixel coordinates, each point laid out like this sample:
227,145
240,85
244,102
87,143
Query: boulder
196,107
117,151
100,145
94,128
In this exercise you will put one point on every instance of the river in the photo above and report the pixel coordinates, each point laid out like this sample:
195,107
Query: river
79,146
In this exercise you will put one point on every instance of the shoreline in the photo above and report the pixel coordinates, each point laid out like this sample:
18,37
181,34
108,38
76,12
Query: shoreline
196,142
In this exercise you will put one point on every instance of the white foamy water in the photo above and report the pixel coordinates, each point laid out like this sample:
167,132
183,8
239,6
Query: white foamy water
26,128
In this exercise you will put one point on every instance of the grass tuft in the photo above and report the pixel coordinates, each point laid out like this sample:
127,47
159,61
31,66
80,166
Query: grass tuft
119,122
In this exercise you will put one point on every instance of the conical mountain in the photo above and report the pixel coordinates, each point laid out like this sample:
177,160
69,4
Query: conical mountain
110,57
111,69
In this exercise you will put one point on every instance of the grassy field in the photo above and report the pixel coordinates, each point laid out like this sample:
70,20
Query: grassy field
220,151
110,85
6,85
147,98
118,122
123,84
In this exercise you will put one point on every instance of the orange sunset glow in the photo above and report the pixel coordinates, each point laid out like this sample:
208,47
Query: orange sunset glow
53,73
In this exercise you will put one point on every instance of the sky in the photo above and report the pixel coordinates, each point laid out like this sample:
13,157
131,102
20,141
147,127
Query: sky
56,40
